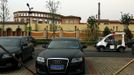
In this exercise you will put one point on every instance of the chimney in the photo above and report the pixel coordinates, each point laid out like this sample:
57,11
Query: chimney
99,11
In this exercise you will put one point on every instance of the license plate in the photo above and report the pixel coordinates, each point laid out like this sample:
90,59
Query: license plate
57,67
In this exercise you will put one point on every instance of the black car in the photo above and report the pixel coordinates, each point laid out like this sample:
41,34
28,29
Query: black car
62,56
18,47
29,39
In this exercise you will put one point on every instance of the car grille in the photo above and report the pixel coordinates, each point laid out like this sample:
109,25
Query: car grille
57,64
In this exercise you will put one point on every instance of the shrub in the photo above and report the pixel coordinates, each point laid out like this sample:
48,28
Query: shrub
42,41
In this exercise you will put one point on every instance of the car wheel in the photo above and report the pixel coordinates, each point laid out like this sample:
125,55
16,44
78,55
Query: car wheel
19,64
122,50
100,49
83,69
33,55
132,52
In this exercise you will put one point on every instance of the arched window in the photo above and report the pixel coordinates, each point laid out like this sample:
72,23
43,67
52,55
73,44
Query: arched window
0,32
9,32
18,32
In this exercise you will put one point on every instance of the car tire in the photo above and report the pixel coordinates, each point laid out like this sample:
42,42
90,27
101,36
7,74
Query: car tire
83,69
19,64
132,51
100,49
32,55
122,50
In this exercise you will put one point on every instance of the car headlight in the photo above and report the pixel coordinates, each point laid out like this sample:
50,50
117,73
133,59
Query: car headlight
74,60
40,59
7,56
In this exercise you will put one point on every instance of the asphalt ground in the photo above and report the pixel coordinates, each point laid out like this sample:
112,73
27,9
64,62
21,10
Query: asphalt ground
95,64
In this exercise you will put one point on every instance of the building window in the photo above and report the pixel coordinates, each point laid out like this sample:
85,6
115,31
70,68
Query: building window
106,23
22,20
113,28
116,28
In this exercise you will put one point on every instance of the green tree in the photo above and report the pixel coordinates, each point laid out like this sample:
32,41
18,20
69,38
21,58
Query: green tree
128,34
106,31
126,19
92,28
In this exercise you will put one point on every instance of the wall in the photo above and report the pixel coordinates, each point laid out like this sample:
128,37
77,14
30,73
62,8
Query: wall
69,29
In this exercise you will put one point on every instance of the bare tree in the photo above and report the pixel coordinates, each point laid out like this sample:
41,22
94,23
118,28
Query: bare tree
53,7
4,13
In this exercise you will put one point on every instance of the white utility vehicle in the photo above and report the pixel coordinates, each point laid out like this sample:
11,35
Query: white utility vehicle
109,42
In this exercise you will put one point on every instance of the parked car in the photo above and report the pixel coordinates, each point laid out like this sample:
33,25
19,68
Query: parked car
29,39
62,56
18,47
129,43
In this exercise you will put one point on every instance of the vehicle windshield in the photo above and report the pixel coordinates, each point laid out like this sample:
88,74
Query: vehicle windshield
8,42
64,44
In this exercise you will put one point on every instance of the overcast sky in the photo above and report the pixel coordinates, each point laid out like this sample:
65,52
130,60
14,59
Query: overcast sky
110,9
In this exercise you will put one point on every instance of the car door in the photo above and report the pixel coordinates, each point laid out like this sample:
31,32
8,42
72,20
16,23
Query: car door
26,52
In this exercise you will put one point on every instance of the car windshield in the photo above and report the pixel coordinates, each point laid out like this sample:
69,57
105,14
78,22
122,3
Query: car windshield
9,42
64,44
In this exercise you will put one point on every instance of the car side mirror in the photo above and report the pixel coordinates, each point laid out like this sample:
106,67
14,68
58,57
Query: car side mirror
23,46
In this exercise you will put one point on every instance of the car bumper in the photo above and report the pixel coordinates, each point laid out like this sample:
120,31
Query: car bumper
72,68
7,63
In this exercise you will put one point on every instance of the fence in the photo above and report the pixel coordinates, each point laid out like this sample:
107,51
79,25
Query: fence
64,33
49,34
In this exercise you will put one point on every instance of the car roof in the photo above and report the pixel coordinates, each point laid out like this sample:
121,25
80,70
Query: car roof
12,37
66,39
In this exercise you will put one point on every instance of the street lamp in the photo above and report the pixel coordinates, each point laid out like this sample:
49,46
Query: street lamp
29,12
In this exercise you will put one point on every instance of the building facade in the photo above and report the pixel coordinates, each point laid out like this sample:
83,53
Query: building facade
13,29
114,25
66,25
44,17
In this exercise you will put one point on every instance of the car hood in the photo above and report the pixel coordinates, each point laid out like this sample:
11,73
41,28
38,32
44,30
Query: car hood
61,53
10,49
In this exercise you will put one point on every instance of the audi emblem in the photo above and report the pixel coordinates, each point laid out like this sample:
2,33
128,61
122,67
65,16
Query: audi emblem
57,61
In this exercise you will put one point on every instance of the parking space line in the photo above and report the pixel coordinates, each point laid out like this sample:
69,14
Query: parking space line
91,68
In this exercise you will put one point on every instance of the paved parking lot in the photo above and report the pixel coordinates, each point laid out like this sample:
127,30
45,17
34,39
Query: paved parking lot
94,65
109,65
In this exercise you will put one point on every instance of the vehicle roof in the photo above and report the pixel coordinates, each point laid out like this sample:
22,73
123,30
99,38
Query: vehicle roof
16,37
65,38
13,36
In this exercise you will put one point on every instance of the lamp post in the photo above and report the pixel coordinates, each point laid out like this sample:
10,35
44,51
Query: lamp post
29,12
